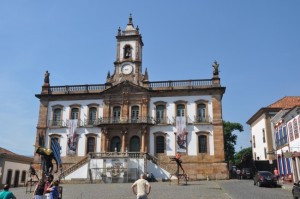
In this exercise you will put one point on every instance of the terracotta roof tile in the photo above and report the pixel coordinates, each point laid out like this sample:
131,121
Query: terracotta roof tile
286,102
6,154
2,150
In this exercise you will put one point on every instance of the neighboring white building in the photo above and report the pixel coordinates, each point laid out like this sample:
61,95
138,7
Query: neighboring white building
133,119
261,134
288,157
13,168
266,124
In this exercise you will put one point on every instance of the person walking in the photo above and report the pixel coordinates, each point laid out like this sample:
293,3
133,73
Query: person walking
276,173
53,190
142,186
6,194
38,192
238,174
48,184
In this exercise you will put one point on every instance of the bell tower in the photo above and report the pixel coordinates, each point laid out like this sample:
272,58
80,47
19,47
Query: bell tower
128,64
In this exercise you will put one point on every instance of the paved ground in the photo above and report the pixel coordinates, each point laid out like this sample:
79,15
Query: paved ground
288,186
160,190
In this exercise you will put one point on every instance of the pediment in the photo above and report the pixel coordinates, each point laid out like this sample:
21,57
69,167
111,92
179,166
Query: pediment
125,87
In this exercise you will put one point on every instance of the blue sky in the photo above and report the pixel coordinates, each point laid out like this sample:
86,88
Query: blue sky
256,43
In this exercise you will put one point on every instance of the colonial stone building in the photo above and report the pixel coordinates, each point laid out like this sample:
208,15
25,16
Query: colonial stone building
129,114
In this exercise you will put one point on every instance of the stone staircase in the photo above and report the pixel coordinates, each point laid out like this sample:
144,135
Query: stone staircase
163,162
75,166
196,167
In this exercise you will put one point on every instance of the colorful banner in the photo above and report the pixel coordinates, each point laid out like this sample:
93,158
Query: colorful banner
72,137
181,134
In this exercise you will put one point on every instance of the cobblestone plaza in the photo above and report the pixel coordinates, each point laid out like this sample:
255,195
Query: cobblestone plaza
164,190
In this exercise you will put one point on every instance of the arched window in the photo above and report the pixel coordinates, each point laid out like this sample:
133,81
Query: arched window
23,176
115,144
134,144
17,178
57,117
90,144
9,176
160,144
127,52
117,114
299,122
134,114
180,110
203,142
54,138
92,115
295,124
290,129
160,114
201,113
74,113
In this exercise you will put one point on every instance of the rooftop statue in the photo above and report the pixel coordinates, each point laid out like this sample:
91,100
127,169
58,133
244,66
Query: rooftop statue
216,68
46,79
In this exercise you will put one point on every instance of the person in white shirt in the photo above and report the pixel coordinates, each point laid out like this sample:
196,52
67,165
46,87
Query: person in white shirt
142,186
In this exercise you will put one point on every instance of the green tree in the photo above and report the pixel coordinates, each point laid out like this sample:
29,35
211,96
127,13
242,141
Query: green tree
230,139
242,155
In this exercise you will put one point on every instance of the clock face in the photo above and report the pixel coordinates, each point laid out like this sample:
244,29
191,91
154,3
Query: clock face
126,69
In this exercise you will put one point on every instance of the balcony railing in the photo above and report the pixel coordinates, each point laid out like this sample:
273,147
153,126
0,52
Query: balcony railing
136,120
163,120
198,119
79,123
78,88
94,88
125,120
281,142
92,122
180,83
65,123
97,155
57,123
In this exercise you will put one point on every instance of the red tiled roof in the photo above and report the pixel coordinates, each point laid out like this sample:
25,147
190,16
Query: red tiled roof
286,102
6,154
2,150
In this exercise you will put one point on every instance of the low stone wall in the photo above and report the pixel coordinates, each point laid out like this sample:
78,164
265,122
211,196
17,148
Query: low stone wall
197,169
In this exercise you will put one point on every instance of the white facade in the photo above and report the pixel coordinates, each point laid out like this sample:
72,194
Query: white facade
259,144
82,132
169,129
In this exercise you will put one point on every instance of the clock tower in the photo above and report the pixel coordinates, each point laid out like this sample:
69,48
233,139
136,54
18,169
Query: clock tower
128,64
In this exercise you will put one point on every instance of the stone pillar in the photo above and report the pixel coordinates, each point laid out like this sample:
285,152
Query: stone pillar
143,143
125,108
41,132
218,128
103,140
106,109
124,133
107,145
144,131
144,111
